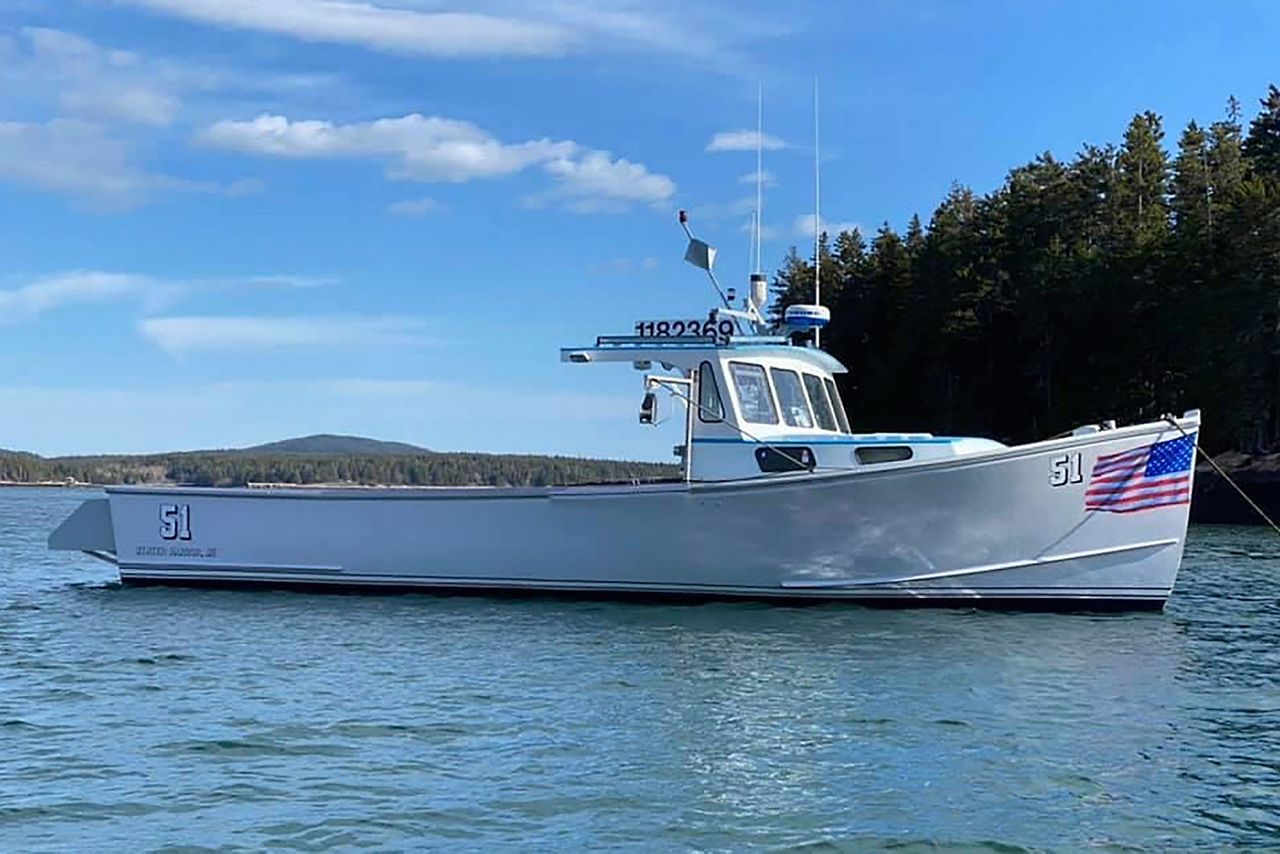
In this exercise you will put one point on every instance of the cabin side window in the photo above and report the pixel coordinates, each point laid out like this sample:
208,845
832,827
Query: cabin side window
838,404
882,454
710,406
795,409
754,398
818,397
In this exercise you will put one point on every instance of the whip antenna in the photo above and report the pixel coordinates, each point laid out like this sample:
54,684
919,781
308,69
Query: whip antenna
758,293
817,214
759,174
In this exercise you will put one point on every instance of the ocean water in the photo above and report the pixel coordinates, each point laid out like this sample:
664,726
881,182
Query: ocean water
135,719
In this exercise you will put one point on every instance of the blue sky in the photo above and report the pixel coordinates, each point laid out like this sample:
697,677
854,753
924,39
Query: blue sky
225,222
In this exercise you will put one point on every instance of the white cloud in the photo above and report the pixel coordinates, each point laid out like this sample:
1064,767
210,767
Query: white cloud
76,158
202,333
803,226
285,280
422,148
142,106
415,207
694,31
743,140
379,27
104,101
78,286
598,181
712,36
43,66
84,161
765,177
93,81
435,149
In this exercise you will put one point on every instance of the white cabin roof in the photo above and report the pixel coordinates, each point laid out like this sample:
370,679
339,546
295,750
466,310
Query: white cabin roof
688,352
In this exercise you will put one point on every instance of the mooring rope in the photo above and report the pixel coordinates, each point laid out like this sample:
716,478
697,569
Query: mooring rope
1226,476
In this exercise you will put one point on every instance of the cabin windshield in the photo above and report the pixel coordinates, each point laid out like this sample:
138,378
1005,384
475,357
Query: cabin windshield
838,404
795,409
754,399
818,397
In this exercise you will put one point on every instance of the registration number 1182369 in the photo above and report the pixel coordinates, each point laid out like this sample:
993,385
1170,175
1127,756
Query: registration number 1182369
720,330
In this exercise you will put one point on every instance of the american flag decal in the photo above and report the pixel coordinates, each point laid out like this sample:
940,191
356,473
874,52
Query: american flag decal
1142,478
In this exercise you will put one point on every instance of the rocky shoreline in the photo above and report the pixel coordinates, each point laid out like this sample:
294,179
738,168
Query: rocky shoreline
1215,502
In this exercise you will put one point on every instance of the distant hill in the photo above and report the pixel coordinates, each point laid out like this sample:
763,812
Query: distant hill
326,459
328,443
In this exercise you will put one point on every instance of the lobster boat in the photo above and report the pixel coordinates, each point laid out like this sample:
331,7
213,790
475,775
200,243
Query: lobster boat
778,499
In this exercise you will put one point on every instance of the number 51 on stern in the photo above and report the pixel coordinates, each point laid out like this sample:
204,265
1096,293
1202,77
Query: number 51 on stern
778,499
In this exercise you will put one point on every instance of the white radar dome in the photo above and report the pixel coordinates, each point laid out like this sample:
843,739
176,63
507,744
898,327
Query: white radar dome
806,316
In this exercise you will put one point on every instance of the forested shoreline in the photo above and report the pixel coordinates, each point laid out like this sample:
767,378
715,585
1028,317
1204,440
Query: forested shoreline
1126,282
237,468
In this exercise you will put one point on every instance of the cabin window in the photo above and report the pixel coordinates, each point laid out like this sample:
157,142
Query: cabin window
754,398
883,454
837,404
795,409
710,406
818,397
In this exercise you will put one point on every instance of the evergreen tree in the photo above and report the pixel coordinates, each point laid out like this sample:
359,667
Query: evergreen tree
1226,158
1142,181
915,236
1262,147
791,285
1192,187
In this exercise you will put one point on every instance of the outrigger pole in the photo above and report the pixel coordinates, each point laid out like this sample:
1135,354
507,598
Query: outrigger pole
702,254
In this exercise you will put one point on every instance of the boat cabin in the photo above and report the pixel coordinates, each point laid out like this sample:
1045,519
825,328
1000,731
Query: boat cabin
760,406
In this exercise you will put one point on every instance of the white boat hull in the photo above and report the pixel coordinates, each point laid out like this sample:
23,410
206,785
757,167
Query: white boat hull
986,529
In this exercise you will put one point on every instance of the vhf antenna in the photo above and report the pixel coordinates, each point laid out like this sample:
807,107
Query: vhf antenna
817,214
759,176
758,291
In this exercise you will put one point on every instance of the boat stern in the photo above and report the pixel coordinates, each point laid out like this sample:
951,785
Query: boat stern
88,529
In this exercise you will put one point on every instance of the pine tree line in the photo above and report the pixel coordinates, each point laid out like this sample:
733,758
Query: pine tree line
1123,283
239,469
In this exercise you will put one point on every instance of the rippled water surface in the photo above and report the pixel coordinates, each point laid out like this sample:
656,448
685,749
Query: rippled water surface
145,718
